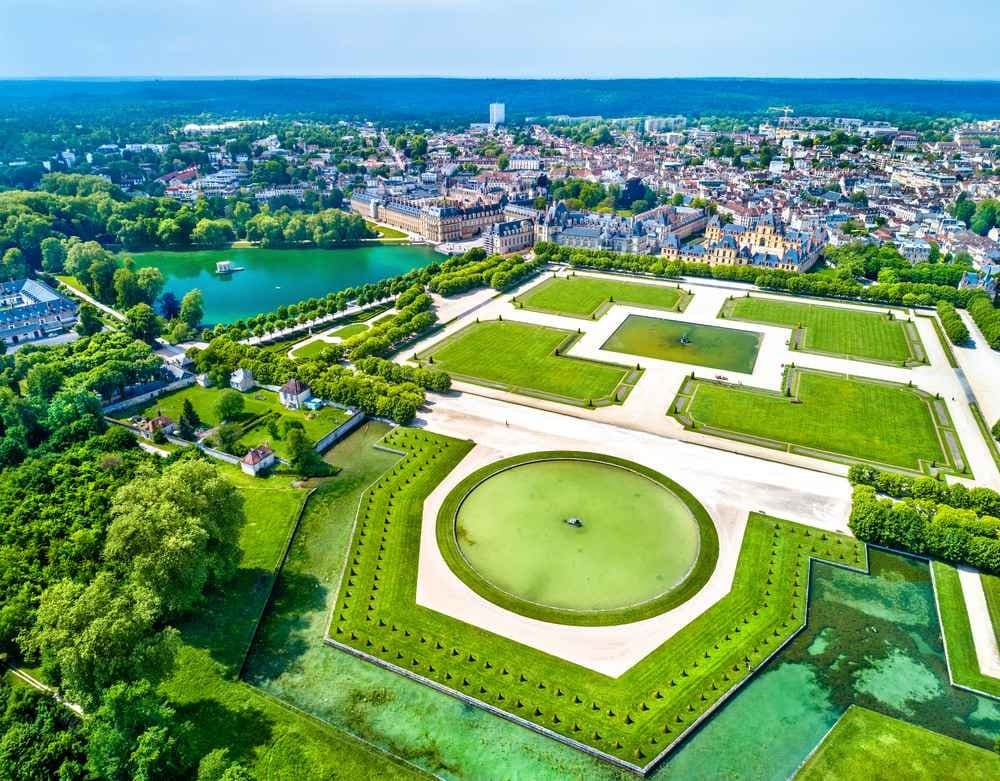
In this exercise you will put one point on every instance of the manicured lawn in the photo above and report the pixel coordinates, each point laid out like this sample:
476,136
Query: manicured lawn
832,330
991,586
349,330
276,742
633,717
868,746
386,232
581,296
311,350
962,660
522,358
258,403
849,417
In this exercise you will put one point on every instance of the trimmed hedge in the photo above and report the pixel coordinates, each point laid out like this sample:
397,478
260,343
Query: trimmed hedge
952,322
986,317
948,522
928,529
984,501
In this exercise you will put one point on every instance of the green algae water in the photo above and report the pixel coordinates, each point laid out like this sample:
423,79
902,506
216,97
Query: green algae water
272,277
873,640
577,535
675,340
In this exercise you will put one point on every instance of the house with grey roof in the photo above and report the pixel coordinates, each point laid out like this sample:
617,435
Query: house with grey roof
31,310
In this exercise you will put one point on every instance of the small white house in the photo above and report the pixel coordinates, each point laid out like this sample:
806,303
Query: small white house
203,380
294,393
258,459
150,426
242,380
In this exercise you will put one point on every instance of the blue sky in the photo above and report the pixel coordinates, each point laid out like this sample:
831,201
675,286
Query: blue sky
504,38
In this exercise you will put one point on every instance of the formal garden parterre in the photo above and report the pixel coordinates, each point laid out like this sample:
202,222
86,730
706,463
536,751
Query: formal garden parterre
717,347
632,720
591,297
830,416
529,359
877,336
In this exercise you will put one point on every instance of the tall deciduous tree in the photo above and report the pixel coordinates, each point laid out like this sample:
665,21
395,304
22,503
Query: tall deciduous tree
176,533
192,308
134,735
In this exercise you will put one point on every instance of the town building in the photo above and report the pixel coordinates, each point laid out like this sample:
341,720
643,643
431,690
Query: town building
510,236
294,394
149,427
31,310
643,234
242,380
498,114
257,460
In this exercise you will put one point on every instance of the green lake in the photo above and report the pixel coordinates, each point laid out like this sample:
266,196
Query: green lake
273,277
635,540
675,340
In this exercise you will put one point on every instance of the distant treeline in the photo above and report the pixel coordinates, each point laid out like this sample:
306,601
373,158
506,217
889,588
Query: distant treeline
429,99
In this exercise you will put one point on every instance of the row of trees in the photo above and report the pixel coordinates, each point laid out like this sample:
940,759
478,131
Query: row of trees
984,501
927,528
986,316
290,315
428,379
952,322
475,269
825,285
414,314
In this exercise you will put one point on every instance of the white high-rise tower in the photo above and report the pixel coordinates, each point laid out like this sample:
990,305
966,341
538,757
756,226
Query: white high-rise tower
498,114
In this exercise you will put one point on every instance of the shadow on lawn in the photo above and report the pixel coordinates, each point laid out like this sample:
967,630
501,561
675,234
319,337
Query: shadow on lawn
288,631
241,730
224,625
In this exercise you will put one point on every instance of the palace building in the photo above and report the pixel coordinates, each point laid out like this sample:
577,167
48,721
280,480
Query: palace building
769,244
436,222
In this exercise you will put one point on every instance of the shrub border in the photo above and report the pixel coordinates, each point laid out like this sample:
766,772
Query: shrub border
693,582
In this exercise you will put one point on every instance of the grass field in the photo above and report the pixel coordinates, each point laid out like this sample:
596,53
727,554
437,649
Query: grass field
850,333
957,632
310,350
274,741
991,587
385,232
846,417
581,296
866,745
349,330
634,717
260,406
522,358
